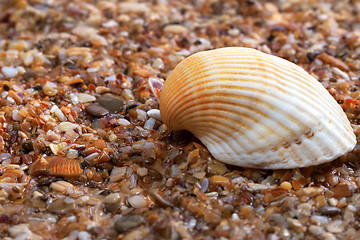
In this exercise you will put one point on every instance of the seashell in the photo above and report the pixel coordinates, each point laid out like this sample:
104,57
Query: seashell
56,166
252,109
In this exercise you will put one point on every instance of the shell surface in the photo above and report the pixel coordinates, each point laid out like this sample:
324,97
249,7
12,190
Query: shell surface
256,110
56,166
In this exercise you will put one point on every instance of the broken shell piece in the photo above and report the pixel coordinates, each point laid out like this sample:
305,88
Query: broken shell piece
252,109
56,166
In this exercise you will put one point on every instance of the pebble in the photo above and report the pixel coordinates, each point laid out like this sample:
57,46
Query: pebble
154,113
175,29
117,173
333,228
85,98
60,206
137,201
9,71
96,110
110,24
327,236
219,180
64,126
112,198
83,235
296,225
125,223
342,190
123,122
330,211
319,220
158,63
49,89
149,124
316,230
134,7
111,102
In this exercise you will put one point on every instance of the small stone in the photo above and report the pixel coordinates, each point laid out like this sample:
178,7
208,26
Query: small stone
110,24
111,102
60,206
330,211
134,7
137,201
175,29
126,223
296,225
220,180
234,32
49,89
112,198
85,98
342,190
142,171
83,235
286,185
123,122
327,236
96,110
333,228
64,126
316,230
9,72
154,113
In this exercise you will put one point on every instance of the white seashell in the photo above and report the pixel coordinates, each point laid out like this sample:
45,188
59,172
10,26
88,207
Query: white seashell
256,110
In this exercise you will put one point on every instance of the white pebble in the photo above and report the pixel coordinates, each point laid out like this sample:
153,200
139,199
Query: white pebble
59,114
91,70
123,122
137,201
158,63
74,98
154,113
20,69
50,89
91,157
16,116
142,171
9,71
110,24
72,153
64,126
149,124
117,173
141,114
85,98
110,78
83,235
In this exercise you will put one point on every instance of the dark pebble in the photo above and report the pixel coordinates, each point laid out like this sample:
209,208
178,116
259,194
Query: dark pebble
111,102
60,206
96,110
155,175
330,211
38,88
28,146
106,192
126,223
112,208
131,107
6,87
4,218
46,181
